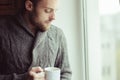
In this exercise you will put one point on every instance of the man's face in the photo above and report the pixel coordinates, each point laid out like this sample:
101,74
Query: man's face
43,14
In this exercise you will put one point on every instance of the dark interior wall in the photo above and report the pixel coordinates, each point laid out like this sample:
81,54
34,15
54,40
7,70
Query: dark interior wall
9,7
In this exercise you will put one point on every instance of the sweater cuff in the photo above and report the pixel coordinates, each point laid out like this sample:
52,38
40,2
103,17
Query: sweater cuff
20,76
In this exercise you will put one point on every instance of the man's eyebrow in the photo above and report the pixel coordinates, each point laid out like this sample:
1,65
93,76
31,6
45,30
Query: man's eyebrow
48,7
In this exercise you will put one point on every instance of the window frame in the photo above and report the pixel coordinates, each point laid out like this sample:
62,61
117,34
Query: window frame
90,32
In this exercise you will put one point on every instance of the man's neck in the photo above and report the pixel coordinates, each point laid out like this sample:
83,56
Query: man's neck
32,28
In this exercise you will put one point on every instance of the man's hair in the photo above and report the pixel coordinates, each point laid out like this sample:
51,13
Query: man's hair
23,9
35,2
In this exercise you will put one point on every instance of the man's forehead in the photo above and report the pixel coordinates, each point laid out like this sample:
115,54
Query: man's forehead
48,3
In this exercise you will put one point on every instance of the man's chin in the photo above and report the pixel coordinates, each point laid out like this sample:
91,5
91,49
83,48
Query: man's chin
44,28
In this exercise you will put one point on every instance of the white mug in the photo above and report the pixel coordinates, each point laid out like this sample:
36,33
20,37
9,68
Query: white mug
52,73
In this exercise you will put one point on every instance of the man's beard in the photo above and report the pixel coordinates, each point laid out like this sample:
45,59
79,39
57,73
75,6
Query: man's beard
37,25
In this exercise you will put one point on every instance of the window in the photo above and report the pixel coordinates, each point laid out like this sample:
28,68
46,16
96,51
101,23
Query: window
101,30
110,32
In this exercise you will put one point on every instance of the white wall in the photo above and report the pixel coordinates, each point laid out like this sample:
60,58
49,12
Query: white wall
94,40
67,20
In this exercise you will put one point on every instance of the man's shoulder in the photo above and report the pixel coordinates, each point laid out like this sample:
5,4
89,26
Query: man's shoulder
54,29
2,19
5,20
55,32
5,24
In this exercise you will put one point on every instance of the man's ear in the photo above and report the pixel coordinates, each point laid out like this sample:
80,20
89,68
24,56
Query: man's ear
28,5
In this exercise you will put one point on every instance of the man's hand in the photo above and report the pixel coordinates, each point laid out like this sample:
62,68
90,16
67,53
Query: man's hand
36,73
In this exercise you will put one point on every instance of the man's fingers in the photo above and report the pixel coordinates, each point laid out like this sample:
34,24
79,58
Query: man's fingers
37,69
32,73
37,75
42,74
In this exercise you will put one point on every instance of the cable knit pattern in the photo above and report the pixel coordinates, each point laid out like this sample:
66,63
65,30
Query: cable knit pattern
20,50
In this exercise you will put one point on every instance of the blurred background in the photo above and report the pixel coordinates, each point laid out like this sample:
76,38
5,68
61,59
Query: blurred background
109,11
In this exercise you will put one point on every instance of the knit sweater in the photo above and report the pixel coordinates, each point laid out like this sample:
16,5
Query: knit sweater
20,50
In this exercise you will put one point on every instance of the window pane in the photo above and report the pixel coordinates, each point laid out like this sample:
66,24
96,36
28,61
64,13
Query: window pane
110,36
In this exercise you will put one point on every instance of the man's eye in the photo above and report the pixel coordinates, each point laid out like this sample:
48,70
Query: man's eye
48,10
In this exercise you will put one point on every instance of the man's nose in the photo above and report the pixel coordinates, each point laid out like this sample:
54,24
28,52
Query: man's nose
52,16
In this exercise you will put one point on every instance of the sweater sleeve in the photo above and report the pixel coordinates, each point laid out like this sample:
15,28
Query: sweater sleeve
62,59
14,77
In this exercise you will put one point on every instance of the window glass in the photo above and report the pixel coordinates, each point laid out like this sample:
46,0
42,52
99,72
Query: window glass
109,11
